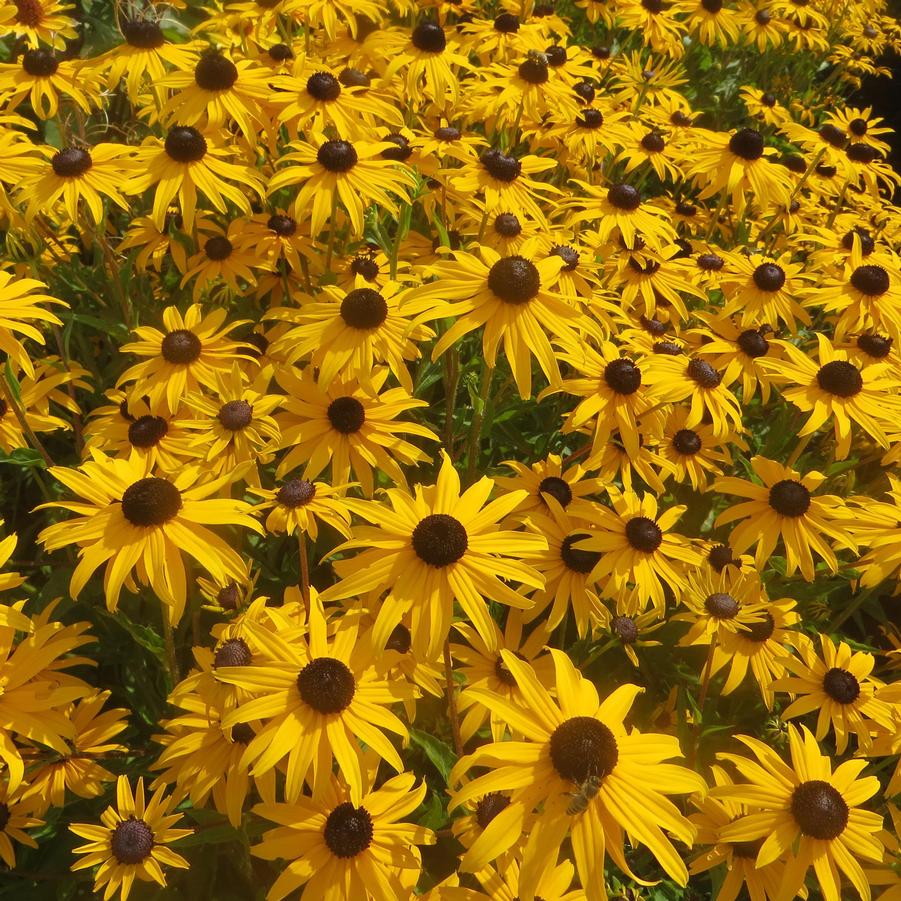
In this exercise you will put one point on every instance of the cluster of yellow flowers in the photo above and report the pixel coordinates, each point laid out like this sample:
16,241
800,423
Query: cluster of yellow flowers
408,357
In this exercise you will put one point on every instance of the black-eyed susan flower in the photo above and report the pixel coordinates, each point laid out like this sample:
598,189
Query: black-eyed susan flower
20,300
16,815
333,169
713,815
316,702
807,811
34,702
81,771
187,161
76,174
637,547
619,211
218,262
614,394
297,505
785,506
433,547
132,521
342,838
44,78
132,842
217,89
674,379
511,297
191,353
837,389
567,741
352,432
37,22
738,164
695,453
482,665
569,485
345,334
765,290
311,98
837,683
234,427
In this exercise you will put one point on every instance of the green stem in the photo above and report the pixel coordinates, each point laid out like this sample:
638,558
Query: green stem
451,381
169,641
450,689
475,430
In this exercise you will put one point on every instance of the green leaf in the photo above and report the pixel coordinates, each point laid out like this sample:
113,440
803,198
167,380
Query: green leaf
24,456
438,752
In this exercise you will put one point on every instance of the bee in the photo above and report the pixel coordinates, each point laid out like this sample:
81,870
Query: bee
579,800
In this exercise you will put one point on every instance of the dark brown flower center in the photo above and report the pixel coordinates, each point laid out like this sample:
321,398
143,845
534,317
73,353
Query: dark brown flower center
578,559
131,841
364,309
789,498
858,127
841,685
242,734
833,136
348,830
229,597
557,488
429,37
867,244
400,151
624,628
500,165
644,534
711,262
283,226
581,747
515,280
624,197
872,281
703,374
215,72
439,540
337,156
354,78
840,378
819,809
489,806
720,556
721,606
768,99
534,70
762,630
569,255
235,415
876,346
862,153
687,442
185,144
296,493
653,142
503,674
218,248
323,86
366,267
346,415
4,816
747,144
622,376
150,502
507,225
40,63
232,652
752,343
71,162
147,431
181,347
769,277
763,17
590,118
400,639
29,12
507,23
448,133
327,685
280,53
747,850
